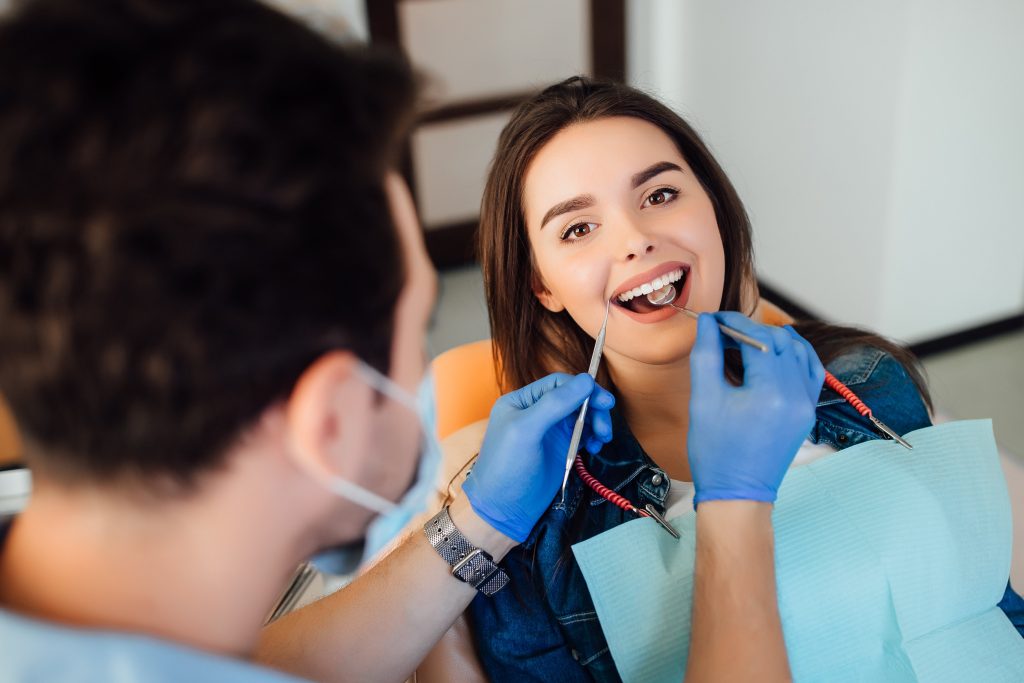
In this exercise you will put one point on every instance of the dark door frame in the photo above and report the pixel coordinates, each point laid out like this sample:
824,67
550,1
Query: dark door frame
453,244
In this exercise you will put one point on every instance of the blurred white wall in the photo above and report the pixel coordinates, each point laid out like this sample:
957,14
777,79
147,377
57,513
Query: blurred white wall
877,145
339,19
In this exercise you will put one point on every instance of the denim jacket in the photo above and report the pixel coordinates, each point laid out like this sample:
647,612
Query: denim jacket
543,626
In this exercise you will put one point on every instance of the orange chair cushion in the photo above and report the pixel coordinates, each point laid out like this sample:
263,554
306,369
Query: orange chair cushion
9,444
466,386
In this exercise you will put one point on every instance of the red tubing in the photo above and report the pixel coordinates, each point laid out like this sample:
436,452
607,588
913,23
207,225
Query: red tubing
604,491
844,391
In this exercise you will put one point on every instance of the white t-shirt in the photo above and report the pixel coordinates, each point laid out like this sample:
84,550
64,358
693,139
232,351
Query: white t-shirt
680,494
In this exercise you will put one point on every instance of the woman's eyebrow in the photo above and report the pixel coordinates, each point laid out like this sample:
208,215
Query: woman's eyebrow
583,201
653,170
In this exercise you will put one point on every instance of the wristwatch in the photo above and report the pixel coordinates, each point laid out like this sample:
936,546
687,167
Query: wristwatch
469,564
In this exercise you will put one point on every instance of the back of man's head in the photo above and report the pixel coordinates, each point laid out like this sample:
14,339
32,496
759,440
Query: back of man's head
191,211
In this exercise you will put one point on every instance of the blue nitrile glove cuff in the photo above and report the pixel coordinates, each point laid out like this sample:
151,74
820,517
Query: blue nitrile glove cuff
735,494
510,528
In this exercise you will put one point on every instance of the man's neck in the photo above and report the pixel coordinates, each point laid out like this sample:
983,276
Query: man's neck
180,569
655,400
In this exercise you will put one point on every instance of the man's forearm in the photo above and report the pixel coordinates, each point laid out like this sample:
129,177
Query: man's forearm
381,626
736,633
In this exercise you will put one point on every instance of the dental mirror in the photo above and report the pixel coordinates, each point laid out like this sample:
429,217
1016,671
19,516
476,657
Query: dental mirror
665,295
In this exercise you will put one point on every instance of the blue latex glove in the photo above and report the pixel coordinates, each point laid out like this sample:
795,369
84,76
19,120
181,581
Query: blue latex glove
522,460
742,440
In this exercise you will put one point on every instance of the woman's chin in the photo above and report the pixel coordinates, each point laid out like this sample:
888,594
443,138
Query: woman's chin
658,349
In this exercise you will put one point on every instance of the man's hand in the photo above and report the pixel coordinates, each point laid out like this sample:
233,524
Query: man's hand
743,439
522,460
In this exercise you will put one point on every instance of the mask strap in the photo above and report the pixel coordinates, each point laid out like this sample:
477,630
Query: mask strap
386,386
360,496
354,492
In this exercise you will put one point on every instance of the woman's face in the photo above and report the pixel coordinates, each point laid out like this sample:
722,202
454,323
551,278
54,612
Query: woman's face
612,210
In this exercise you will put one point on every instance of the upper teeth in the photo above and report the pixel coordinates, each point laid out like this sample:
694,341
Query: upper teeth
652,286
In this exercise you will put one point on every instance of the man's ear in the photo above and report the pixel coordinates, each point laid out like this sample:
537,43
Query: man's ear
545,297
328,417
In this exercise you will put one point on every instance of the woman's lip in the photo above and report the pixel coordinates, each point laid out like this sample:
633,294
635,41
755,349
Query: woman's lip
644,278
663,313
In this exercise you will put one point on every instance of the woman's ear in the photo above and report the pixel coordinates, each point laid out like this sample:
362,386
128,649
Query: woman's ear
328,418
545,297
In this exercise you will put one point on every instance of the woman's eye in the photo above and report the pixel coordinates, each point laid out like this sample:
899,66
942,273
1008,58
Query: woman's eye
662,195
578,231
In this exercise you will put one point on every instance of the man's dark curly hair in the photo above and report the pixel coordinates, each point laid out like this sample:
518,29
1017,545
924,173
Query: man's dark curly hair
192,210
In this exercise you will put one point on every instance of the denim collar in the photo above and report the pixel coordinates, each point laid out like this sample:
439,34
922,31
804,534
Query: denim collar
623,461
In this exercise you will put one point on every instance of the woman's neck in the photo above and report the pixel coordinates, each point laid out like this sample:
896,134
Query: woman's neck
655,400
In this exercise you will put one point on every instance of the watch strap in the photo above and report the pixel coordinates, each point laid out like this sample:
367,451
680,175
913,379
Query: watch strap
469,564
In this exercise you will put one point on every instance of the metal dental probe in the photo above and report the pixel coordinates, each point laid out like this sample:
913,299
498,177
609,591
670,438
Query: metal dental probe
665,296
577,430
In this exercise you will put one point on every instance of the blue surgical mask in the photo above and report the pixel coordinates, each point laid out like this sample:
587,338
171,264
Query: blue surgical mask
392,517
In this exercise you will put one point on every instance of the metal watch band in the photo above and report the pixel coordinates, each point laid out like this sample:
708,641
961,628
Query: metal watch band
469,563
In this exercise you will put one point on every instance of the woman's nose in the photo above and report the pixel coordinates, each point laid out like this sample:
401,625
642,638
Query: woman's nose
640,250
635,242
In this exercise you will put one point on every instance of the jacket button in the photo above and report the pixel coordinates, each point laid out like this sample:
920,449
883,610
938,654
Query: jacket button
843,438
657,479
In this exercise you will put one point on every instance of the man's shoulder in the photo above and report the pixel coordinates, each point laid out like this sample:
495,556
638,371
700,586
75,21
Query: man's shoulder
36,650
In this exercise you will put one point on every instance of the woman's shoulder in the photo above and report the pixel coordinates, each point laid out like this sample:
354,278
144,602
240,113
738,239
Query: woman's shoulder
466,441
873,371
883,383
458,451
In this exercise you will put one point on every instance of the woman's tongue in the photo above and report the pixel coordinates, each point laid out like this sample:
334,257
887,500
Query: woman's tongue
640,304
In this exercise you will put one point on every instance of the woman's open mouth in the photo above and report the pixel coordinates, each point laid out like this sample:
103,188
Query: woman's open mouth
632,297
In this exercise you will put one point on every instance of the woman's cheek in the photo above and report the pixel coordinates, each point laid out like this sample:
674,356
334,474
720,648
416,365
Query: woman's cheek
710,283
583,290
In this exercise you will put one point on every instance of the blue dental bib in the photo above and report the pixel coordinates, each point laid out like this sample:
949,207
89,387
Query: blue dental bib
889,564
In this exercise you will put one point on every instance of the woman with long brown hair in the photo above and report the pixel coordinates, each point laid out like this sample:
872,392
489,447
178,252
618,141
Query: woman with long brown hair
598,191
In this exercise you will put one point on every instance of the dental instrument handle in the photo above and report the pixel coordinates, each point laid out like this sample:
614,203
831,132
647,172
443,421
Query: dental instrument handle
574,443
577,429
727,331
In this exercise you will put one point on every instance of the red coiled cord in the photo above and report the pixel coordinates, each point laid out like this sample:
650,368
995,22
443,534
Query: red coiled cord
604,491
844,391
614,498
